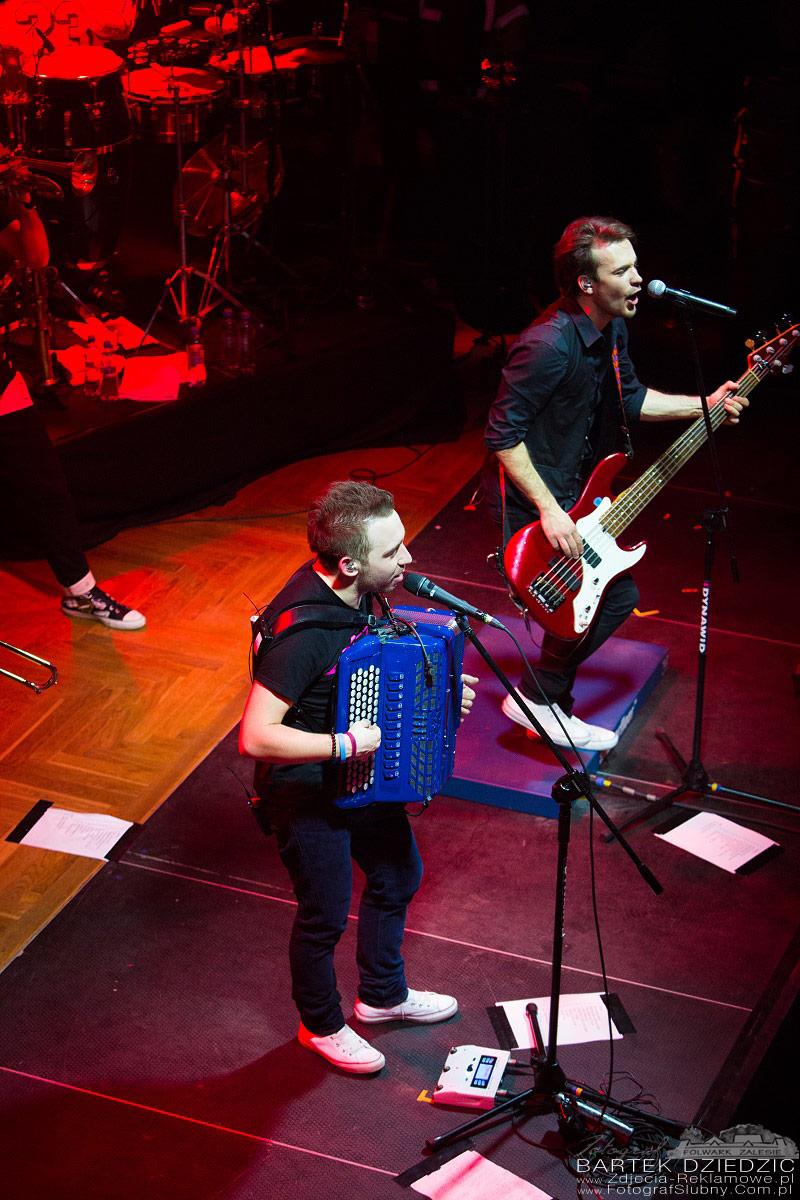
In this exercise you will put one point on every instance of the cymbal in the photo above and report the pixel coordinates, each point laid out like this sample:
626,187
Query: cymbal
204,184
289,54
311,52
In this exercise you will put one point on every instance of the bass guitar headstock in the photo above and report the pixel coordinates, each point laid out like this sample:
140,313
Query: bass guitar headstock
771,356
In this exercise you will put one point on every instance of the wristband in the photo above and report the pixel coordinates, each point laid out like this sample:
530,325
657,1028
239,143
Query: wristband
342,747
334,747
352,739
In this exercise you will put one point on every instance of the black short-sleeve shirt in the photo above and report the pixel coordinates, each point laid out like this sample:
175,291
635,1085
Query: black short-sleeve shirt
301,668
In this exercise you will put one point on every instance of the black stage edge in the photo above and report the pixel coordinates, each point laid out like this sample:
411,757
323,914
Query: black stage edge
342,378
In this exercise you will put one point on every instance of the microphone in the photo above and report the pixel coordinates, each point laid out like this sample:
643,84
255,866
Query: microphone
48,45
659,291
418,585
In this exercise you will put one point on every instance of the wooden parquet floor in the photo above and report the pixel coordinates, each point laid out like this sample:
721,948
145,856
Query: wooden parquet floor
133,713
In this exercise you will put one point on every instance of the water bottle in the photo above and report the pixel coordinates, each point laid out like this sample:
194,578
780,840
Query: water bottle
195,358
229,353
109,381
247,349
91,367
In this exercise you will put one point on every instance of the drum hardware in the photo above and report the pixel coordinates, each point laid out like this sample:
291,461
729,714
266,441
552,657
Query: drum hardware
23,292
42,662
77,104
77,100
95,111
185,273
219,170
41,326
150,101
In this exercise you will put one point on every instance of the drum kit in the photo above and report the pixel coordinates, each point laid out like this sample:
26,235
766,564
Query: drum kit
75,114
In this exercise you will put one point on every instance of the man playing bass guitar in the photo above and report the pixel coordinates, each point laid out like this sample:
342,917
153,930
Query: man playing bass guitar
568,389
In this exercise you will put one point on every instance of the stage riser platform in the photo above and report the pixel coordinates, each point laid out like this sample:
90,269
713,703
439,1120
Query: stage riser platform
499,763
344,379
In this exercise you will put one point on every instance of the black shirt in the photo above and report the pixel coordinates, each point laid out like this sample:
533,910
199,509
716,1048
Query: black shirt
300,667
559,396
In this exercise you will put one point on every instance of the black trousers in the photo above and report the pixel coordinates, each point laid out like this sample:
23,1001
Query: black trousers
559,660
34,494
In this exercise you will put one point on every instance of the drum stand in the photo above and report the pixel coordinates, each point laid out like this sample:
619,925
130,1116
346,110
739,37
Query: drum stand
273,148
182,276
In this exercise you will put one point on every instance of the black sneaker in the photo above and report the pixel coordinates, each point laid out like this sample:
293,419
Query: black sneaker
97,605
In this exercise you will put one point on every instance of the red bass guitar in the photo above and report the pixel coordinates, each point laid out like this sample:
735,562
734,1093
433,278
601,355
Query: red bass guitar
563,594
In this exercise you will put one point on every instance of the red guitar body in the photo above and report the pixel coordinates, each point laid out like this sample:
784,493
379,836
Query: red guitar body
563,594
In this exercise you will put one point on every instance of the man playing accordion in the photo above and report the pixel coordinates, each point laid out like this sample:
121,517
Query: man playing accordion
288,726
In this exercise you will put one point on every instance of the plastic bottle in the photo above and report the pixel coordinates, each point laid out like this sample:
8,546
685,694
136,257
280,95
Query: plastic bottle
229,353
109,380
247,350
195,358
91,366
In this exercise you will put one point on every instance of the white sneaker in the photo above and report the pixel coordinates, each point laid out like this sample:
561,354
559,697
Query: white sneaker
584,737
425,1008
344,1049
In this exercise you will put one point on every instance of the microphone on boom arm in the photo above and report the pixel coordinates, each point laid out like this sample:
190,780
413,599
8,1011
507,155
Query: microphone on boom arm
659,291
418,585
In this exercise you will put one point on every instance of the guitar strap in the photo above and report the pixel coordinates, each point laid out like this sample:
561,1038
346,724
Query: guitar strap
626,433
500,556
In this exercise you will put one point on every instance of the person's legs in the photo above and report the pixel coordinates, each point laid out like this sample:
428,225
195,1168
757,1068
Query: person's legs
34,486
559,661
384,846
316,853
553,677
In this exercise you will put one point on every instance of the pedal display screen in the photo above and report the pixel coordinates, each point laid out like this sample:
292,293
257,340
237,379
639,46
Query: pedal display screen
483,1072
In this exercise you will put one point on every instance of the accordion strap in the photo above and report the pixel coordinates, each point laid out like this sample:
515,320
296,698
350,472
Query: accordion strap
307,616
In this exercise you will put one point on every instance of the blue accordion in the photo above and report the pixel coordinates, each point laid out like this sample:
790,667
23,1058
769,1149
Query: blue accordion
406,678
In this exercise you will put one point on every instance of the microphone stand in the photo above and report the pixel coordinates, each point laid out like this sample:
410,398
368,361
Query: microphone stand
577,1105
695,780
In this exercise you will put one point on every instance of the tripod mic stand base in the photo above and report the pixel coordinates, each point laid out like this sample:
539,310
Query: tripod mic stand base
579,1110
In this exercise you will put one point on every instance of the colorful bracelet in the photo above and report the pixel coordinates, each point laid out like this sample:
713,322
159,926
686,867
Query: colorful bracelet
342,747
351,737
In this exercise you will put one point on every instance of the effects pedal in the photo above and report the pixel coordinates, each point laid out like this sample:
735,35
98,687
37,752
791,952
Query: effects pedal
471,1077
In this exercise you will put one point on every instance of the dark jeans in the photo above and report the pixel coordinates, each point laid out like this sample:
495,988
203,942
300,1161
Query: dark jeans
316,848
35,494
559,661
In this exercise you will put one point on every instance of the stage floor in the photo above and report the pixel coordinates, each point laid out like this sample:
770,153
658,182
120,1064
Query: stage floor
148,1041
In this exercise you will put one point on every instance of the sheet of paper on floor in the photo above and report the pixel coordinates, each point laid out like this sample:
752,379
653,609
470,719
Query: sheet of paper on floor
717,840
470,1176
